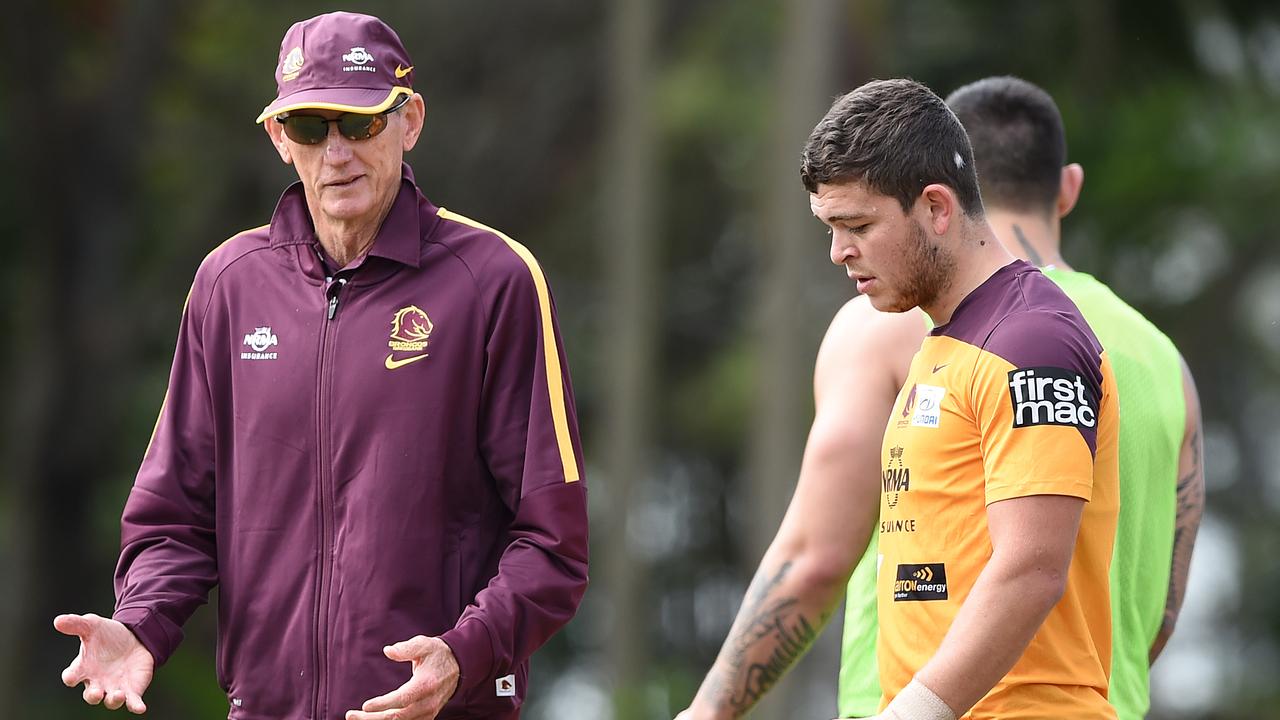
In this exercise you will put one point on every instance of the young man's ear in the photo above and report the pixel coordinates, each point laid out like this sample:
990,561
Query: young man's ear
1069,188
275,131
941,205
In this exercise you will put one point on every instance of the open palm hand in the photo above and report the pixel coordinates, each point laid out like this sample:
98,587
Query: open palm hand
114,667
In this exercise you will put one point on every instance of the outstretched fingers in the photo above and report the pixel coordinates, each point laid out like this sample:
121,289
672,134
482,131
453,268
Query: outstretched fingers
133,702
413,691
114,699
73,675
93,692
414,711
109,676
81,625
408,650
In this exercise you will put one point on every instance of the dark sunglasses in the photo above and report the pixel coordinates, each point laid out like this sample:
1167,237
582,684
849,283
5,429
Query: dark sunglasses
313,129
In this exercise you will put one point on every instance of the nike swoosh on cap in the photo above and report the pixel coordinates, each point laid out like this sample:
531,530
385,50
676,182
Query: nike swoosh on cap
402,71
392,363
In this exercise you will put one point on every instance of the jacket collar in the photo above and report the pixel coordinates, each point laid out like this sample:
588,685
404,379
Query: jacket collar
399,239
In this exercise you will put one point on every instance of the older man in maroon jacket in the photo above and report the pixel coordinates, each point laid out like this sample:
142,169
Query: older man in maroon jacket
368,443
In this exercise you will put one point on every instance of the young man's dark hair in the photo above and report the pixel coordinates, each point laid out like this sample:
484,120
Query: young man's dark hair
896,136
1018,141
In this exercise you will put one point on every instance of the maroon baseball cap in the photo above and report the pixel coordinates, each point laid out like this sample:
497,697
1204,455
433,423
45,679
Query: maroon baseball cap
340,61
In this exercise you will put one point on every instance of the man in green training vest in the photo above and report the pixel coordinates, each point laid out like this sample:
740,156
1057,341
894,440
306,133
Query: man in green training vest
1019,150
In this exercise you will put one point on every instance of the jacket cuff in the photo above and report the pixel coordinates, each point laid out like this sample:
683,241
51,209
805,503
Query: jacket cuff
473,650
156,633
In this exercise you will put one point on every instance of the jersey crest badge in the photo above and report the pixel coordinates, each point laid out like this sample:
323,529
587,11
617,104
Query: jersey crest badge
410,333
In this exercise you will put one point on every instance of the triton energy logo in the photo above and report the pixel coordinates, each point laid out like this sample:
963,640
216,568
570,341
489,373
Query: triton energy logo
359,59
1051,396
258,341
920,582
410,330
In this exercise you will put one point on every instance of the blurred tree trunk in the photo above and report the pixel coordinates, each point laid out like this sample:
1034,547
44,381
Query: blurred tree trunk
30,383
802,93
75,230
1098,43
628,247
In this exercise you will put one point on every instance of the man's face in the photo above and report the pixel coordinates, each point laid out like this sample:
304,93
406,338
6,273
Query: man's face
893,258
352,180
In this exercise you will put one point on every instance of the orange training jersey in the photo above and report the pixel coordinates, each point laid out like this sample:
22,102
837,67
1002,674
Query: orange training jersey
1013,397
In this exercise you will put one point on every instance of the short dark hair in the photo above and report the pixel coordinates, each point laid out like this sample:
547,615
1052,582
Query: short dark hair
1018,141
896,136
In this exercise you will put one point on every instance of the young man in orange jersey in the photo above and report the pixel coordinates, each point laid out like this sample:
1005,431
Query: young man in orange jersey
1000,448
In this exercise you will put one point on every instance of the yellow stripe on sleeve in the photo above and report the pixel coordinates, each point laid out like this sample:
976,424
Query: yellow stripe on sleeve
555,384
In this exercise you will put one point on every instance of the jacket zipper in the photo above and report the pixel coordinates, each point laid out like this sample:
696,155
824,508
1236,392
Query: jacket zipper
333,289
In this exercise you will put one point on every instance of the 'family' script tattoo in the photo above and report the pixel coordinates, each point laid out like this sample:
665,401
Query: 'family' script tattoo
766,624
1032,255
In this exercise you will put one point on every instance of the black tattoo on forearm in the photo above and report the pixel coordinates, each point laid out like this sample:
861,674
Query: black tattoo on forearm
1032,255
792,638
1186,522
765,623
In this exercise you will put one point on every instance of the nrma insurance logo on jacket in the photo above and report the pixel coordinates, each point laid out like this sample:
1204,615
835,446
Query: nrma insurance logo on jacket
257,343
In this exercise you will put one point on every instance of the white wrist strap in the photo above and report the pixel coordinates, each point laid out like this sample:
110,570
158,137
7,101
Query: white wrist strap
917,702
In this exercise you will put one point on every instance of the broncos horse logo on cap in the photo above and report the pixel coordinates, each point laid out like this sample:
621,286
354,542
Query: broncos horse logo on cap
292,64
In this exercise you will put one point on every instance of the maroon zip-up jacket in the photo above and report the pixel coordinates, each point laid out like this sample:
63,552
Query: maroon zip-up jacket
358,458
